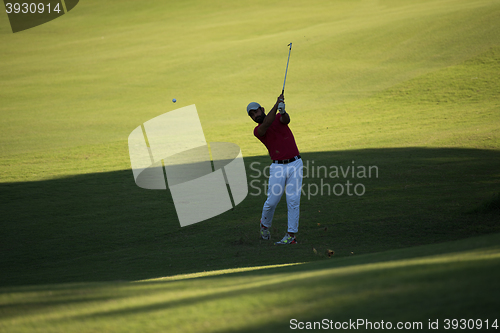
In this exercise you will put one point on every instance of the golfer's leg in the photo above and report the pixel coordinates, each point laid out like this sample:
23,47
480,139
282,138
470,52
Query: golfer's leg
293,192
277,178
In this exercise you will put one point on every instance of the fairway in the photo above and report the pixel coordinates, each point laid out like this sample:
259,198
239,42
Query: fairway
412,287
395,108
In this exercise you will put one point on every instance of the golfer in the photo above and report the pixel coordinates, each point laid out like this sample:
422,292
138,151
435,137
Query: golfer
285,175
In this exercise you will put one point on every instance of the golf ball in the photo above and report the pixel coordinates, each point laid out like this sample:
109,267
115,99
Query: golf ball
174,100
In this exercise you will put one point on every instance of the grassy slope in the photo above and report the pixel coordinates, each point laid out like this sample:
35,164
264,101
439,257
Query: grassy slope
109,67
415,285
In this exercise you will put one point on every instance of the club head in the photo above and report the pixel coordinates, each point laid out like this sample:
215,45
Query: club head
290,45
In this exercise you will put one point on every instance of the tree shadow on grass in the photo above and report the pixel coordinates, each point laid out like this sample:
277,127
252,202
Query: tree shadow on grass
412,285
102,227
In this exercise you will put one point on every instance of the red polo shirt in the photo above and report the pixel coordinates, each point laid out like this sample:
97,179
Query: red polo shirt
278,140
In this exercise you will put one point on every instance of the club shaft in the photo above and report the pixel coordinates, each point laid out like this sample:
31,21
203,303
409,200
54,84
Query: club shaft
286,71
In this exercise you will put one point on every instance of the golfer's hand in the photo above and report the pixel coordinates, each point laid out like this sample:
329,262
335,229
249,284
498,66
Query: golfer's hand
281,108
280,105
281,98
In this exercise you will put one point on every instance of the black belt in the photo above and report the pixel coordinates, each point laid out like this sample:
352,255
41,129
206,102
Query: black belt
287,161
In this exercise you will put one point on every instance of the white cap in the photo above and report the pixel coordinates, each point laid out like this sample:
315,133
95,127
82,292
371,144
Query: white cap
252,106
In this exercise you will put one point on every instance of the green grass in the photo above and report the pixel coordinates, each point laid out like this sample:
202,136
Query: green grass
490,205
409,87
413,285
105,67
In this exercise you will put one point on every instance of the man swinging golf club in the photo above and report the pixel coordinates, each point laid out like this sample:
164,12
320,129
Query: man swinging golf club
285,175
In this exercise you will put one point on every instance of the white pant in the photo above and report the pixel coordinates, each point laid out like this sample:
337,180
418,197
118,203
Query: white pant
284,178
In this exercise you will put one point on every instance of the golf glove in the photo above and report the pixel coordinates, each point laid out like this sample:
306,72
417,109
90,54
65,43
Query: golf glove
281,108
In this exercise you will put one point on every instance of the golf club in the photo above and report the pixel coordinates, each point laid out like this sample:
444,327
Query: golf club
290,50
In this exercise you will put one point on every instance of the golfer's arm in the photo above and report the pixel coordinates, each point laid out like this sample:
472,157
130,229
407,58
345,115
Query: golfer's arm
285,119
268,120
